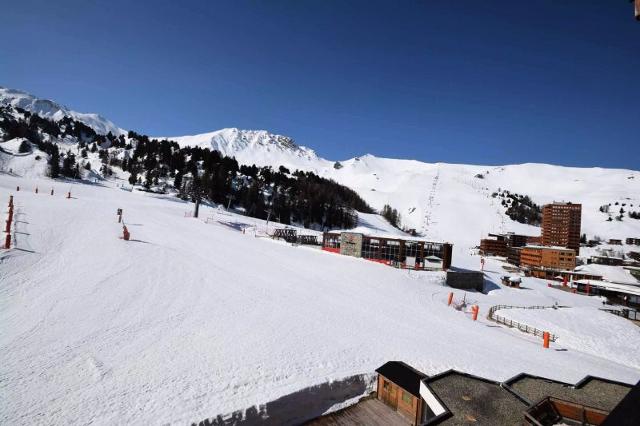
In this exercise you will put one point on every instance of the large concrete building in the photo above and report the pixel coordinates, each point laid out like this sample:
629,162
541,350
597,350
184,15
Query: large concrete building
547,257
561,225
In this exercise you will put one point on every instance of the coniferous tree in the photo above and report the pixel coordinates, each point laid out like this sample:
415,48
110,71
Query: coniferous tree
54,162
24,147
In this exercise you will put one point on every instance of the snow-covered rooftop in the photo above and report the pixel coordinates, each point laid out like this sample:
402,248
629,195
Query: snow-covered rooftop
613,274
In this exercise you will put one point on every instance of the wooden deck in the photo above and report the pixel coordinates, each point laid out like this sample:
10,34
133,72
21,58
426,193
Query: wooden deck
370,412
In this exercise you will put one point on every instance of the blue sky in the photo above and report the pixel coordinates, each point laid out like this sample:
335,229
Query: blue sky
490,82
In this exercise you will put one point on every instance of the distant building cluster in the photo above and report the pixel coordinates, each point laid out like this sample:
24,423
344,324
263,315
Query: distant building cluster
553,256
556,248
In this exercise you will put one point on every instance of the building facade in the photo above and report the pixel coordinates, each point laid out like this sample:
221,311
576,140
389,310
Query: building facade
561,225
405,253
547,257
493,247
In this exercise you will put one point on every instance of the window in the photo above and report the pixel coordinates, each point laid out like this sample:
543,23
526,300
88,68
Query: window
332,241
406,398
386,385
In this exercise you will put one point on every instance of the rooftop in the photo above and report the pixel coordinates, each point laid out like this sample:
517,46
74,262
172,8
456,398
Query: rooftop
383,235
621,288
613,274
403,375
591,391
472,399
548,248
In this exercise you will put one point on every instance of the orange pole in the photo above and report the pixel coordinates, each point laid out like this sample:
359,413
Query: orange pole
7,241
545,340
475,311
450,298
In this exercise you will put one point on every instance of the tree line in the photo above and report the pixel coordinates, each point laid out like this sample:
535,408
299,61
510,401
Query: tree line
290,197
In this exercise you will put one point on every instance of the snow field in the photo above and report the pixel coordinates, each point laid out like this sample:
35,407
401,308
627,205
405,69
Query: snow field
191,319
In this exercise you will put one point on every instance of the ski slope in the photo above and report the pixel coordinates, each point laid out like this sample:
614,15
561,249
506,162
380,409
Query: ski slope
195,318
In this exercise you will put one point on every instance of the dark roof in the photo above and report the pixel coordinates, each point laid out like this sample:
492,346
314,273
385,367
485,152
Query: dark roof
627,413
591,391
403,375
471,399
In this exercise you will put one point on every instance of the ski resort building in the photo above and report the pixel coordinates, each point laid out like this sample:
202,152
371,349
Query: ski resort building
633,241
500,244
456,398
606,260
399,252
561,225
547,257
493,246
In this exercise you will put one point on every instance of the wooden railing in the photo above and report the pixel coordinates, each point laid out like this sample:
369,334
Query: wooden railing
515,324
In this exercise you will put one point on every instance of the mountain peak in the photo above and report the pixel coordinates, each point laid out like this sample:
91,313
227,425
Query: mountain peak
54,111
259,147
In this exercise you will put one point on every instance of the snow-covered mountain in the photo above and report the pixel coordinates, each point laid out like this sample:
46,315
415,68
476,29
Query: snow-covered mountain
54,111
450,202
257,147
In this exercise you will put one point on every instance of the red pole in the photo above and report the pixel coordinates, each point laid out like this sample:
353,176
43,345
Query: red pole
125,233
7,242
475,309
545,340
7,227
450,298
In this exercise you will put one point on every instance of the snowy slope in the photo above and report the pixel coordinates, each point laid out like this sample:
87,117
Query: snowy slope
195,318
446,201
54,111
32,164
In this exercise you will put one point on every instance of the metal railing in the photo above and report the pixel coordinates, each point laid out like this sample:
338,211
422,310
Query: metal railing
515,324
624,313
